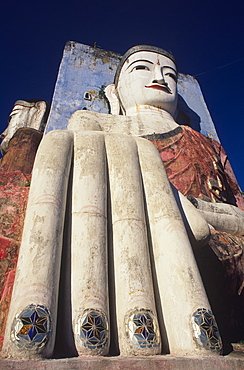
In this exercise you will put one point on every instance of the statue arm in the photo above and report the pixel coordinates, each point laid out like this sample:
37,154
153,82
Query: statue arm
222,216
195,223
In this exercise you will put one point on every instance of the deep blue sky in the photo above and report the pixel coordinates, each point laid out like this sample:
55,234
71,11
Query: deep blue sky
203,36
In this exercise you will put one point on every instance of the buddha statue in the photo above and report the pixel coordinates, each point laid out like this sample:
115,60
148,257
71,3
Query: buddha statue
105,197
32,114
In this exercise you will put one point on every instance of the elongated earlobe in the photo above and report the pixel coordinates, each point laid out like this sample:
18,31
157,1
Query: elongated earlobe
110,92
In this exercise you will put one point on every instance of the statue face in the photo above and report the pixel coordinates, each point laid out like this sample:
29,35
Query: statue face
23,114
148,78
20,113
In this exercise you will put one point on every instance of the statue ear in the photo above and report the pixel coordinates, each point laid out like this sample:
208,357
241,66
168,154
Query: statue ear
111,94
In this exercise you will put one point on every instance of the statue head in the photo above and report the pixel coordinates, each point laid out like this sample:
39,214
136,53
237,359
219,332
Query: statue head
32,113
146,75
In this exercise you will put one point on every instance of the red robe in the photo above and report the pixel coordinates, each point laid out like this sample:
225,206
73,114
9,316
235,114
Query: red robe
197,166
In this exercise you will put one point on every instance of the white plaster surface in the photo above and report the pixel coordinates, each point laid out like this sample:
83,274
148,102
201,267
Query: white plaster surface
197,222
133,279
222,216
148,120
177,275
89,273
38,269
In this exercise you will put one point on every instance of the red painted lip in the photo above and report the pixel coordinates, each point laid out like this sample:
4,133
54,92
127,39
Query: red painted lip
159,87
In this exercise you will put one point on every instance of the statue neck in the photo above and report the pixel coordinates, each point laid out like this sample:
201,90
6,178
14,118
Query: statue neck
153,118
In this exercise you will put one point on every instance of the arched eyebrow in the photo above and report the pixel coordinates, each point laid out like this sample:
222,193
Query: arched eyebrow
171,68
140,60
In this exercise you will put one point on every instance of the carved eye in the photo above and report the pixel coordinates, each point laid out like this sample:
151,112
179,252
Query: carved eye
136,68
171,75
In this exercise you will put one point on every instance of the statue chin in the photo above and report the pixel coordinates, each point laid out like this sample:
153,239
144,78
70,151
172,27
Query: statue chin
155,107
130,104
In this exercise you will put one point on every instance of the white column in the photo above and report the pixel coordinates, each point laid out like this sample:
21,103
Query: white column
135,306
89,270
180,285
31,333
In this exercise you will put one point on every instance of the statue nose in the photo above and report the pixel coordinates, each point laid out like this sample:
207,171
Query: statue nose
159,75
161,81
